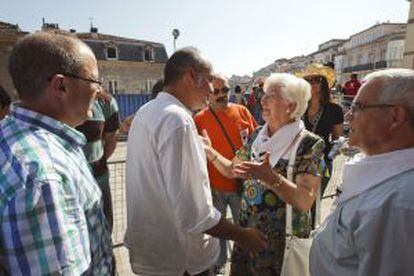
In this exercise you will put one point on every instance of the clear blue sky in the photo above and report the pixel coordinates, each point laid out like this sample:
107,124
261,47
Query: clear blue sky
238,36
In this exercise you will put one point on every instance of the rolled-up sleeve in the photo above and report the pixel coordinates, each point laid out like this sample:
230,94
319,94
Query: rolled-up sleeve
183,164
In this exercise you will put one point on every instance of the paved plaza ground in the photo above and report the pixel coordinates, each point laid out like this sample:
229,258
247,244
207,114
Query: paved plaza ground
117,168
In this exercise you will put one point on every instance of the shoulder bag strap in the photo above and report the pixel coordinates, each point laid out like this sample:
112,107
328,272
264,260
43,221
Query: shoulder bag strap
223,129
291,165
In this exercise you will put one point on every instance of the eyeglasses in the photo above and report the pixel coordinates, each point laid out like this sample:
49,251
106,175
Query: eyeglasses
74,76
71,75
357,107
222,90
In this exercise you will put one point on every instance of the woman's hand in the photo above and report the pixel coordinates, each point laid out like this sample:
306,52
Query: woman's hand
256,170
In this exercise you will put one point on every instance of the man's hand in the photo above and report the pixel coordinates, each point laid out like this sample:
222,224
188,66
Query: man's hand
251,239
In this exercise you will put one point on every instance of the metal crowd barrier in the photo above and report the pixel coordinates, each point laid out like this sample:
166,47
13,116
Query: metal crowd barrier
117,183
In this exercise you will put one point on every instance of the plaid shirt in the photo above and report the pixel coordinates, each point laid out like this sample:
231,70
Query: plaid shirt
51,216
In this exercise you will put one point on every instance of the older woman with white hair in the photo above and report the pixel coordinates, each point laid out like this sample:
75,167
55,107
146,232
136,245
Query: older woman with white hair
266,190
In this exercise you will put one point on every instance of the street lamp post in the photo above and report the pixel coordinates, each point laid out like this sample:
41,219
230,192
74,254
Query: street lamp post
176,34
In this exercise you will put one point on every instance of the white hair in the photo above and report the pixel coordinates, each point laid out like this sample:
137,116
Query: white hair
221,76
397,87
294,89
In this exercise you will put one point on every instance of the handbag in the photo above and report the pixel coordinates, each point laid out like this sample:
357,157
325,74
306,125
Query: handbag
296,253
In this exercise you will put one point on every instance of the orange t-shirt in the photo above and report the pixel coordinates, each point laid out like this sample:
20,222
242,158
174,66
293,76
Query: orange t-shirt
239,124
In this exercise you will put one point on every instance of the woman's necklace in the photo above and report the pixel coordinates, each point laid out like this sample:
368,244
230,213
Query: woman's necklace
314,119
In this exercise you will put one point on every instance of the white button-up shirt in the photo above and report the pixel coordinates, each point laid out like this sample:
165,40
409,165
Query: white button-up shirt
168,192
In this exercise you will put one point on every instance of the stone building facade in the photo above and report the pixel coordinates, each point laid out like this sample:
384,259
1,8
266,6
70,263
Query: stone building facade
126,65
327,51
378,47
284,65
9,34
408,61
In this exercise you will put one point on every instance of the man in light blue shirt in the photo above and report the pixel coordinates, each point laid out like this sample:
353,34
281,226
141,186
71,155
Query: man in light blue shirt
370,230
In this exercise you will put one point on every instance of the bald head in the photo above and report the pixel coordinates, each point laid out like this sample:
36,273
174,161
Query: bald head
37,57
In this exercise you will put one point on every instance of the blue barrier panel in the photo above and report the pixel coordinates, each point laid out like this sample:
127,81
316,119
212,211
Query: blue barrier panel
130,103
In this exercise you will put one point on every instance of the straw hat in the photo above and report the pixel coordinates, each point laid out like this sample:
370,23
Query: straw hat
317,69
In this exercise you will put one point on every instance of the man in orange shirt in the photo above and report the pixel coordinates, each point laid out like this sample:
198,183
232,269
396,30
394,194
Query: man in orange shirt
229,127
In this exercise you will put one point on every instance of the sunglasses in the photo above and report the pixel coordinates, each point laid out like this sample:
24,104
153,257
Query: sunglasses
224,90
314,80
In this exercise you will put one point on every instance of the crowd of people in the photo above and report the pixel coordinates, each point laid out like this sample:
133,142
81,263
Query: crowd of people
191,155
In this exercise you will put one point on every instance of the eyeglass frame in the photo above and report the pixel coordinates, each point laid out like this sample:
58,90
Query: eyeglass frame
357,106
75,76
224,90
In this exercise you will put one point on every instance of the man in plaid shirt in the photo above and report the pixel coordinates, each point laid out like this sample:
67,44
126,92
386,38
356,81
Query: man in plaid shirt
51,216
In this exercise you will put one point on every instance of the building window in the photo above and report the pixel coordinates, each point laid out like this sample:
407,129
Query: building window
111,53
359,59
383,54
113,87
149,54
371,57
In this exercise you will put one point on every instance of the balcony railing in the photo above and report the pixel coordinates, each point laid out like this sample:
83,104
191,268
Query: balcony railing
367,66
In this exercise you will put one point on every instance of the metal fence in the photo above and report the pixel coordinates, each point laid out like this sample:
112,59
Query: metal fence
129,103
117,183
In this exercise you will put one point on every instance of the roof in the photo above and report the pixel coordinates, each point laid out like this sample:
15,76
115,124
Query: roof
127,49
106,37
7,27
377,25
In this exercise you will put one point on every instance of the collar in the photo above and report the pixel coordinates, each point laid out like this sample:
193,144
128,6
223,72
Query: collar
362,172
278,144
171,98
54,126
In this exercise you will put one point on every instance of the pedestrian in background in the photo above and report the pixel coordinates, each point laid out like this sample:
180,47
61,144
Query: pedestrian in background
254,102
101,133
351,87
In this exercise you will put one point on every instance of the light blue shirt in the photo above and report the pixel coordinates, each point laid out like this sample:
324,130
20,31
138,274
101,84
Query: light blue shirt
370,233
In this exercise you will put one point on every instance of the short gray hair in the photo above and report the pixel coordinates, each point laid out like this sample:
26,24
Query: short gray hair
181,60
37,57
397,87
294,89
